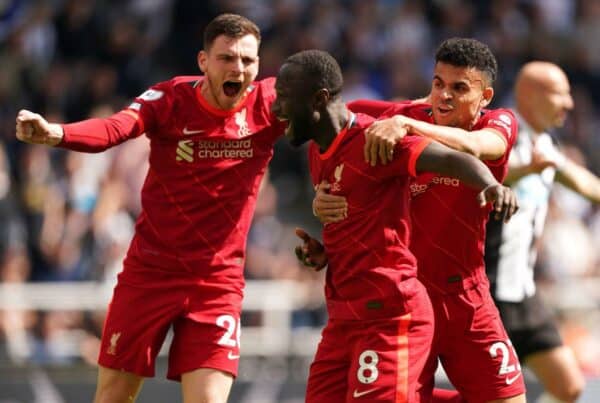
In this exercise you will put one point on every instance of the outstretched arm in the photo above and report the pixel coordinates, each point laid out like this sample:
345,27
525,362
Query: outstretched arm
472,172
579,179
92,135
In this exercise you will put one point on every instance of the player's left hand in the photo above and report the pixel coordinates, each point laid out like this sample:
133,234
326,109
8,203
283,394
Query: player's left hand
381,138
329,208
504,200
311,253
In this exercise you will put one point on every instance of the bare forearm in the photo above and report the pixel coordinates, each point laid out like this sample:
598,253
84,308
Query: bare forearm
445,161
455,138
469,170
516,172
580,180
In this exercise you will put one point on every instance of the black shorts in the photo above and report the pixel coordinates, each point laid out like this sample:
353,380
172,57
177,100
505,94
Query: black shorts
530,326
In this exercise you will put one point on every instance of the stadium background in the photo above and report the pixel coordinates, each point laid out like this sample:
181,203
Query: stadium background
66,218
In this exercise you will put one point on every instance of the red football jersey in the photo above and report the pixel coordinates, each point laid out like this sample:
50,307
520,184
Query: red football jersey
448,225
368,251
206,165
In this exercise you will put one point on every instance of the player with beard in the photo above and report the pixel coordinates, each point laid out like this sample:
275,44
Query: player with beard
211,138
380,326
448,228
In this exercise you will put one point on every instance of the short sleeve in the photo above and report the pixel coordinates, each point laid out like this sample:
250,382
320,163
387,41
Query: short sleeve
406,155
504,122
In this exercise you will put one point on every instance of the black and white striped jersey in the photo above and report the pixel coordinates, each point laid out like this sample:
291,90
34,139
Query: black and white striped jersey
510,249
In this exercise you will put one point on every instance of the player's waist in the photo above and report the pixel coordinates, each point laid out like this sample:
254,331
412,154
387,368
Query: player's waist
372,306
199,263
452,283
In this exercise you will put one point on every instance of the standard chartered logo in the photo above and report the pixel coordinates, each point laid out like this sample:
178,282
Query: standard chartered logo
188,150
185,151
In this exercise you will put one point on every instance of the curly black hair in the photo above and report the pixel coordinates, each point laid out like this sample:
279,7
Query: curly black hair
468,52
321,70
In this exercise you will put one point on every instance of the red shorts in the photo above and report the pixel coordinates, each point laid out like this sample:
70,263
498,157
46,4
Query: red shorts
205,321
373,360
473,346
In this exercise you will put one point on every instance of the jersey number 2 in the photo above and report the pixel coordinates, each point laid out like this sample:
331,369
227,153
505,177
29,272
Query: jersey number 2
502,348
230,325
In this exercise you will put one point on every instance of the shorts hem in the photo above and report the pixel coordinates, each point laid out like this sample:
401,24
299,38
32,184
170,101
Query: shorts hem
144,374
176,376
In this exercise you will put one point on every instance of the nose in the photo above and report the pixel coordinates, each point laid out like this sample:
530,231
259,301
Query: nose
446,94
569,103
238,65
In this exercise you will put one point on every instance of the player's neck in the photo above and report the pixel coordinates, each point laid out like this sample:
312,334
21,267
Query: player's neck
332,123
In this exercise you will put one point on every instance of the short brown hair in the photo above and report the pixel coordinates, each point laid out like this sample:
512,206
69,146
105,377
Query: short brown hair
231,25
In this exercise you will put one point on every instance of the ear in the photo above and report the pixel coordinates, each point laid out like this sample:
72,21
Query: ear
321,98
488,94
202,59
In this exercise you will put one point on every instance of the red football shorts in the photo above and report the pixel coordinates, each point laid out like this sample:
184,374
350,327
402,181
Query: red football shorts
205,321
373,360
473,346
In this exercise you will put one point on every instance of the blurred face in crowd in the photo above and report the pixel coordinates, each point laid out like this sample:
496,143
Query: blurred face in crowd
294,103
552,102
458,94
230,65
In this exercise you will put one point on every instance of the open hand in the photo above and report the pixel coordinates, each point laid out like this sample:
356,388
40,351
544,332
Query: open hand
311,253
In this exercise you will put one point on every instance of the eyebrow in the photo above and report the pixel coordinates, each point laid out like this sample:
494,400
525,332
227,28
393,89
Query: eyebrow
467,82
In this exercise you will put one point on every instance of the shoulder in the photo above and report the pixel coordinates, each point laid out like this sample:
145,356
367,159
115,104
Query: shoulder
168,88
417,110
502,120
503,115
264,88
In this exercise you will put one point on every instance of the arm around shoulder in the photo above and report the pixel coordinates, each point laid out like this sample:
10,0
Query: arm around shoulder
485,144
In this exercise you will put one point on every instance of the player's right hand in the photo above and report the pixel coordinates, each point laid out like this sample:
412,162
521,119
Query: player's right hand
381,137
34,129
540,161
329,208
311,253
503,198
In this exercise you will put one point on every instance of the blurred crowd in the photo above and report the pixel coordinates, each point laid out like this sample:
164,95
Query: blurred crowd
67,216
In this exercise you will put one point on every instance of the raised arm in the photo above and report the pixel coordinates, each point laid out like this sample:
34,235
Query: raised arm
579,179
92,135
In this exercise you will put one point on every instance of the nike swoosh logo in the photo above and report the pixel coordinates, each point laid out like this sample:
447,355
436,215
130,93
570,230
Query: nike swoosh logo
509,381
358,394
186,131
232,356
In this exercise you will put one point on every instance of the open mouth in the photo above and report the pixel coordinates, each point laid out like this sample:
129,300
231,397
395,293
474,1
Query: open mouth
232,88
444,109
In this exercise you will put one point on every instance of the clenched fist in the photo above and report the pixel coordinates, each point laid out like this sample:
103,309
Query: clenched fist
34,129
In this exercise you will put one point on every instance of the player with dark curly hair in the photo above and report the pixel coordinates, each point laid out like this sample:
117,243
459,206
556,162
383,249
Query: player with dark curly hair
448,228
377,340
